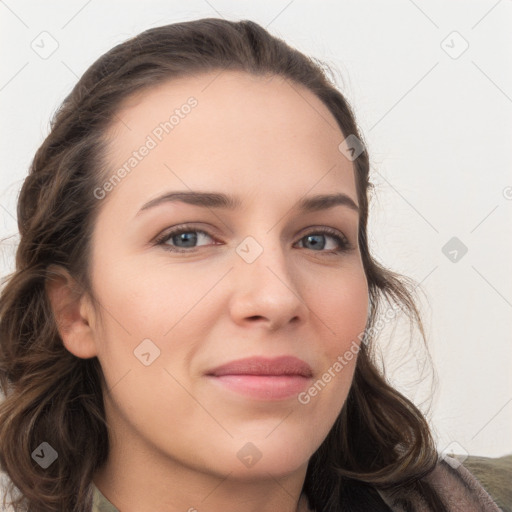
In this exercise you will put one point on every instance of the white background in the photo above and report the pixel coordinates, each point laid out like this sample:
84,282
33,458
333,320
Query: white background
439,135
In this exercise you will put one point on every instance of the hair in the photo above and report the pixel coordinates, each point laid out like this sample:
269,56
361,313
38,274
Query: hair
380,440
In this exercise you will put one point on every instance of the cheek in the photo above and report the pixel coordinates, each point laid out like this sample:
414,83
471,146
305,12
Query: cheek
153,314
146,300
342,307
342,310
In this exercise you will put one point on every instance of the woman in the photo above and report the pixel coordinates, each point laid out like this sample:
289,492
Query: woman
234,372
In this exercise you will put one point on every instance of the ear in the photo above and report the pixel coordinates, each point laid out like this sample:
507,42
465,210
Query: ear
72,311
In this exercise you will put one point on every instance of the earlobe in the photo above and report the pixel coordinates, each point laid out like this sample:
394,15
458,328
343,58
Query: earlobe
71,313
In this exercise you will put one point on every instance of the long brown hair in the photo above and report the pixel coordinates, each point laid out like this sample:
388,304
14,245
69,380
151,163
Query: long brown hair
380,440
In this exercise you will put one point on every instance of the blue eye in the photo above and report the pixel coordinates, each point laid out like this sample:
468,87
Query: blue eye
313,237
186,236
189,236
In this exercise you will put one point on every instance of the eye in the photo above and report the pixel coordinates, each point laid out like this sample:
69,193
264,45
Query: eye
183,239
181,235
341,241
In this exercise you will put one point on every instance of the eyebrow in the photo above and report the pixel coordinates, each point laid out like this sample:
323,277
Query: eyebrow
220,200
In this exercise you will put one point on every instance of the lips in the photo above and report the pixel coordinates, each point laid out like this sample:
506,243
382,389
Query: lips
284,366
261,378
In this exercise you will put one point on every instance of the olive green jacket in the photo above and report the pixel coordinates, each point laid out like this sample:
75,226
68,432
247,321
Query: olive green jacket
481,484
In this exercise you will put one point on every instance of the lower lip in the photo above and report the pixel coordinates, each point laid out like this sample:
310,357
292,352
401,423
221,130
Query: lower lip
264,387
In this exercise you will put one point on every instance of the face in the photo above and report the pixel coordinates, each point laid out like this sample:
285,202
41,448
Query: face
187,286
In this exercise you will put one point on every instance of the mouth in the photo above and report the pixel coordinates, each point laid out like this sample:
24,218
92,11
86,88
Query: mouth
263,378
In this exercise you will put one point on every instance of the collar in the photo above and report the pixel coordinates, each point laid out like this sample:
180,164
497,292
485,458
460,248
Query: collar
100,503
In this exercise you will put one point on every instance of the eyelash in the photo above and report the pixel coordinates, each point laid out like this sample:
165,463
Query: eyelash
342,241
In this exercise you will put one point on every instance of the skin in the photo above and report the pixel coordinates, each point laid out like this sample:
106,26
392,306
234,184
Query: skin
175,435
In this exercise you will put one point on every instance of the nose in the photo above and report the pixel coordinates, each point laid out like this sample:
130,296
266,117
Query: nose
267,291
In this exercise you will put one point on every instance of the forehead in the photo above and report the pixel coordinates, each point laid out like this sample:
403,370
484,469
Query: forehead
227,129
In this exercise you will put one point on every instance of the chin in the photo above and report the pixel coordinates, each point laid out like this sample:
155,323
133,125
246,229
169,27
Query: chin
278,455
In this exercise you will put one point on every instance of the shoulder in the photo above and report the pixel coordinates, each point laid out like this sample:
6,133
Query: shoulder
495,475
460,488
